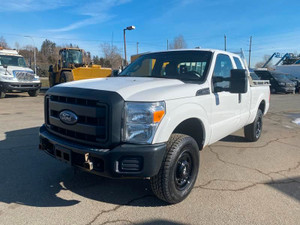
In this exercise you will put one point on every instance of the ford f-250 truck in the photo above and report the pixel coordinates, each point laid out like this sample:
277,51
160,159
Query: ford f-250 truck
153,118
15,75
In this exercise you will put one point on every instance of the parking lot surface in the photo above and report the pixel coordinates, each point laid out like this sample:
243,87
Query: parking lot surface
238,183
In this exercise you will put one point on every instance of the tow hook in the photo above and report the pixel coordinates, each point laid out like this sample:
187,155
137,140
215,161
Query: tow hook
88,164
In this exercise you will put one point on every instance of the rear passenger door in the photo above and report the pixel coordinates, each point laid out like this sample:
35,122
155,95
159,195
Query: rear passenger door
225,117
244,99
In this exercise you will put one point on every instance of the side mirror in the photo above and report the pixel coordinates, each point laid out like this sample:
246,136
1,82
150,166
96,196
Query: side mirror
238,81
4,66
115,73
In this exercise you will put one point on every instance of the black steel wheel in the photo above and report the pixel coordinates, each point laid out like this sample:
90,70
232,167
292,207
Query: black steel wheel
253,131
179,170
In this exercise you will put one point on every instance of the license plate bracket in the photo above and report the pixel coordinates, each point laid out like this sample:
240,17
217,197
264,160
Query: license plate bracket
63,154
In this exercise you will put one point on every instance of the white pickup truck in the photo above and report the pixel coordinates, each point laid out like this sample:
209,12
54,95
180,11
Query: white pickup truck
153,118
15,75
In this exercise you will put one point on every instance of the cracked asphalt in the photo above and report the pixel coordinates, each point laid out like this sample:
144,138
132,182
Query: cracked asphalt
238,183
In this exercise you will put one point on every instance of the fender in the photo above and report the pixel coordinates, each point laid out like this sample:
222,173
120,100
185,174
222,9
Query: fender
176,114
253,109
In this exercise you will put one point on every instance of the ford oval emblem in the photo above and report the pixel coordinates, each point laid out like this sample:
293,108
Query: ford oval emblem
68,117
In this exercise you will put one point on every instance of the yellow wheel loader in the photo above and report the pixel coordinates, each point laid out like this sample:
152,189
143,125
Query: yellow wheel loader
71,67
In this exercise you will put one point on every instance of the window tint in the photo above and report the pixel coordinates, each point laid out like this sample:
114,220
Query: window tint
222,69
238,63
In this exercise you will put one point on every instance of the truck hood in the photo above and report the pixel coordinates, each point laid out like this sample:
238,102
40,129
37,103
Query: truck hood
10,69
140,89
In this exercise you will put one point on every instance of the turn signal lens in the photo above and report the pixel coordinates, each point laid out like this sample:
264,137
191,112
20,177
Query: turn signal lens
158,115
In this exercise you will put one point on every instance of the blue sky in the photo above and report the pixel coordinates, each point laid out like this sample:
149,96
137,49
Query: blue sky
274,24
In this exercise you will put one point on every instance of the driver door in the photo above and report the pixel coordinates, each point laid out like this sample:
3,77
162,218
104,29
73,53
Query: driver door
225,116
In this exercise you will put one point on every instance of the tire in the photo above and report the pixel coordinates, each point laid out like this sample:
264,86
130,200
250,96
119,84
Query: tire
66,76
52,79
253,131
34,93
179,170
2,94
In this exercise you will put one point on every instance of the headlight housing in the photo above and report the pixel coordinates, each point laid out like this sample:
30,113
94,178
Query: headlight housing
141,121
281,83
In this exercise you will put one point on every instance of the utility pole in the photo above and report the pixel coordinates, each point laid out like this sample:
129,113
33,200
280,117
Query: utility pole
225,42
250,48
167,44
137,48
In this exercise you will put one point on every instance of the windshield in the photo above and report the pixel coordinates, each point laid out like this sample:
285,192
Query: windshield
71,57
183,65
282,77
11,60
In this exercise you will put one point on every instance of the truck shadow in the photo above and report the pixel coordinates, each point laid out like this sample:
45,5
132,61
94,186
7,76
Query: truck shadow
30,177
234,138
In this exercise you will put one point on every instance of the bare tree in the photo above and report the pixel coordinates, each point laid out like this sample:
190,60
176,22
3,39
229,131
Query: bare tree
178,43
112,54
3,42
261,63
17,46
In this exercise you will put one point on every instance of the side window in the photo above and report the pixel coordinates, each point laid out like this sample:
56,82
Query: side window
222,69
238,63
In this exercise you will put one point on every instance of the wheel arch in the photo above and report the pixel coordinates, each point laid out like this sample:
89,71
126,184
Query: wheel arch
193,127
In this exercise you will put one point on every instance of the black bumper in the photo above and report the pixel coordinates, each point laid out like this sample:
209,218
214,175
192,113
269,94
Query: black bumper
19,86
126,160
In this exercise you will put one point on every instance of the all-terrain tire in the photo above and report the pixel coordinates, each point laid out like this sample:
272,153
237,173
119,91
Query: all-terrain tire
66,76
253,131
179,169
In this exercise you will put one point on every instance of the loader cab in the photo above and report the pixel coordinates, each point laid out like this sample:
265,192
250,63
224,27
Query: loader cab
71,57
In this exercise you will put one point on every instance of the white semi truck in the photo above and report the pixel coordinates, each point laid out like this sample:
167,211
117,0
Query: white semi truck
15,75
153,118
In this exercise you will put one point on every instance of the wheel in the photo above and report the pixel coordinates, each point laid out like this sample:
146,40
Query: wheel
253,131
179,170
2,94
34,93
52,79
273,91
66,76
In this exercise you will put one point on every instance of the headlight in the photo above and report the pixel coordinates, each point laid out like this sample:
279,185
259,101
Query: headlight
281,83
7,77
141,121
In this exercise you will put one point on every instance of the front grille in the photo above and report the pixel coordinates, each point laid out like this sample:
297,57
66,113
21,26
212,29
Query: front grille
92,123
24,75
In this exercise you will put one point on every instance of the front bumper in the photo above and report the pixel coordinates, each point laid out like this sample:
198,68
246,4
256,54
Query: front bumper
125,160
286,89
19,86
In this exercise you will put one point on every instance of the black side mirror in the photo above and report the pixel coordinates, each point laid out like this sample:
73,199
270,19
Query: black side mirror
4,66
238,81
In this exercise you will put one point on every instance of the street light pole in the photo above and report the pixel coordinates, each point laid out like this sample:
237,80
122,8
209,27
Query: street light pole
124,33
34,53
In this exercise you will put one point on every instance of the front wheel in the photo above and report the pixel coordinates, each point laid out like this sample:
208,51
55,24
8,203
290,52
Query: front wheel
179,170
34,93
253,131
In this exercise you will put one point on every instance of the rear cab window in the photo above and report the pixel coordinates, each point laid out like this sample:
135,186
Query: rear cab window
238,63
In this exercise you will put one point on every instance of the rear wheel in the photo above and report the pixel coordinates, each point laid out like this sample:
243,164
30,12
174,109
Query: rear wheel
253,131
66,76
2,94
179,170
34,93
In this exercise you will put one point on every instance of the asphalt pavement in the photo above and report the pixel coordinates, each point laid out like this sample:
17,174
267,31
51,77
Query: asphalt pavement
238,182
